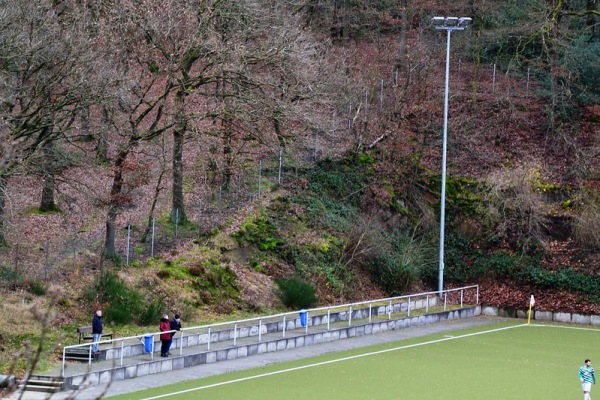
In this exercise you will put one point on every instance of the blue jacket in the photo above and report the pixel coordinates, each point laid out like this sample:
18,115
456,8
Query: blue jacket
175,326
97,324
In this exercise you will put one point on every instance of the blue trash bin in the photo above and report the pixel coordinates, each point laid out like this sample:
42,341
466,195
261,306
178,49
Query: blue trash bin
148,342
303,317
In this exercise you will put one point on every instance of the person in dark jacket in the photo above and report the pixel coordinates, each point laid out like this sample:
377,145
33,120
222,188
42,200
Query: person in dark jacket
165,337
97,328
175,325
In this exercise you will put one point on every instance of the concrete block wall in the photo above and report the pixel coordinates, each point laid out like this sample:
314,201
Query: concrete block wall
540,315
280,344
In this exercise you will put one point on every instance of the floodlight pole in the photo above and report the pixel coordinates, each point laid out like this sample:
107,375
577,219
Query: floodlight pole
448,24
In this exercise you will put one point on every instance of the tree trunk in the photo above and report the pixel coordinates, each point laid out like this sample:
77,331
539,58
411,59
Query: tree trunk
280,137
47,203
403,52
110,251
227,155
102,147
86,134
403,65
3,189
114,205
346,23
152,207
592,7
178,207
226,136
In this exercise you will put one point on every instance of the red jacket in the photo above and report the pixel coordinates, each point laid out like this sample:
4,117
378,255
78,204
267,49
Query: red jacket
165,326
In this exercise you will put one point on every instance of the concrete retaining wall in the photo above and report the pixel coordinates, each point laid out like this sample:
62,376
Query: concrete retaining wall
211,356
540,315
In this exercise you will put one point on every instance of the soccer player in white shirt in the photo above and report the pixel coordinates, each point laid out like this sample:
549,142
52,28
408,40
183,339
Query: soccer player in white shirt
586,377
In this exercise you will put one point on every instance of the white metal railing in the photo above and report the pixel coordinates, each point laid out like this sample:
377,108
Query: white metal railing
282,323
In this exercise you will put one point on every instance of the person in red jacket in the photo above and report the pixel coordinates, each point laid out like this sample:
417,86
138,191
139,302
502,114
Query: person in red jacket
165,338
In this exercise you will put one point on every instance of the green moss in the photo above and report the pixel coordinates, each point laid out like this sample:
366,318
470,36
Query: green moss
567,204
173,270
322,246
153,261
260,231
36,211
216,283
365,159
257,266
462,194
189,185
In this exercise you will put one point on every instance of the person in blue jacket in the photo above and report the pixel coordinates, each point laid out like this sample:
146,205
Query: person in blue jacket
97,328
175,325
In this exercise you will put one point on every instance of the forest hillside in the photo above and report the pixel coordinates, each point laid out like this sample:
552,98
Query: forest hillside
212,158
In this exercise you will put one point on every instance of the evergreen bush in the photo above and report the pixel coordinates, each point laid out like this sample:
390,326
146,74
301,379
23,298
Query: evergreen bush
398,268
152,312
36,287
124,305
297,294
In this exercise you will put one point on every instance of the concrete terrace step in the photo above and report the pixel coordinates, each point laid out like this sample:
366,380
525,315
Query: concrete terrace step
40,383
133,351
81,355
110,367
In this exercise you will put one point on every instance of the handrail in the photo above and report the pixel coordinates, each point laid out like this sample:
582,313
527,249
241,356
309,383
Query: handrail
122,340
388,303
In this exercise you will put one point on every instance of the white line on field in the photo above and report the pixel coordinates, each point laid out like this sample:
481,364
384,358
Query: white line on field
577,328
162,396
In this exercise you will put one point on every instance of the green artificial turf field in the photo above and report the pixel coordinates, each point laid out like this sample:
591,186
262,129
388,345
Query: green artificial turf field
502,361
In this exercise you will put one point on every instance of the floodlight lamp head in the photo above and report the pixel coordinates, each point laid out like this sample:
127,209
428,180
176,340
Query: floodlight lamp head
465,21
437,21
451,21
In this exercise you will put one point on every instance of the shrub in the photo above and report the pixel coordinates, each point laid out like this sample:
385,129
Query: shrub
566,279
196,270
465,264
393,273
581,59
586,226
399,268
457,251
123,304
339,180
502,265
8,276
328,213
152,312
36,287
516,201
334,195
163,273
297,294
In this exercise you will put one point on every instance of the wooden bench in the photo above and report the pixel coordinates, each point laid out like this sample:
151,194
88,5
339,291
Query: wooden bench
85,333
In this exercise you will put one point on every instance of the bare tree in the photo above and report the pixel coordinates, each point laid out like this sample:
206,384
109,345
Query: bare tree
246,65
45,80
282,86
135,104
